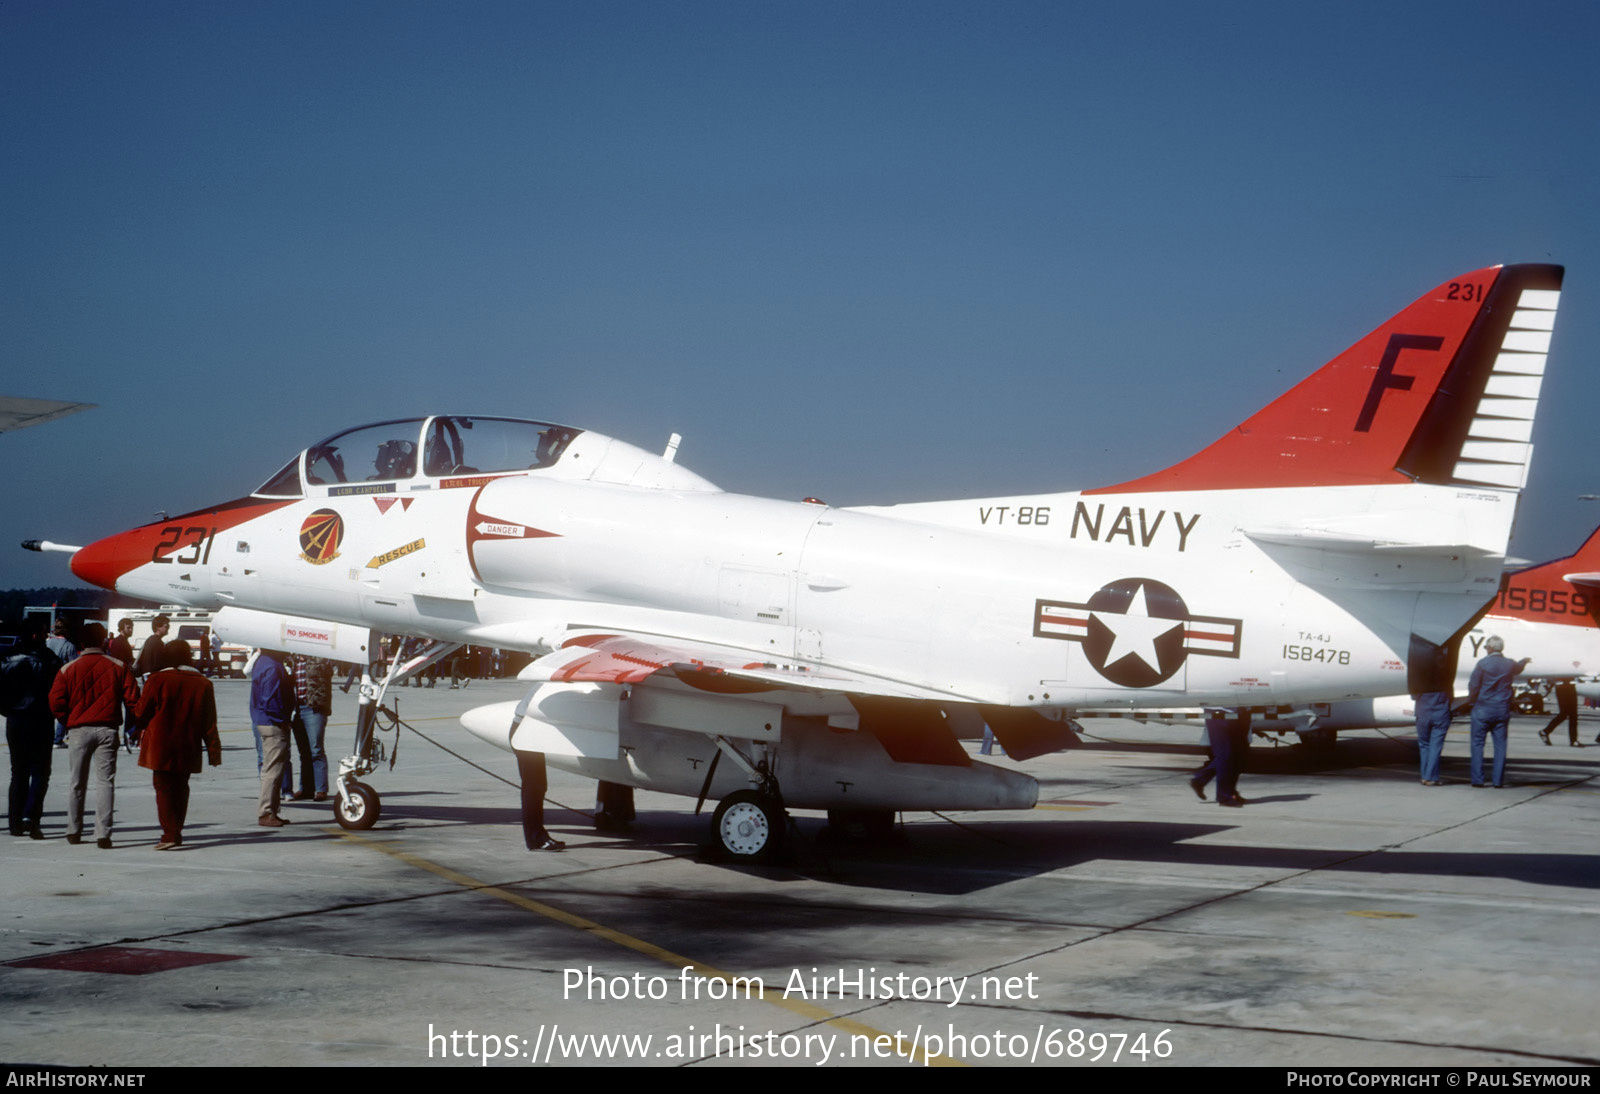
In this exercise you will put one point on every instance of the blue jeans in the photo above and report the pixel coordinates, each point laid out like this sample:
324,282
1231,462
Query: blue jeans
1433,724
1490,721
1229,739
313,757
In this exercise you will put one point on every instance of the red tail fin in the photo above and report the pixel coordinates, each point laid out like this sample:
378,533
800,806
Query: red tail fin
1566,590
1444,393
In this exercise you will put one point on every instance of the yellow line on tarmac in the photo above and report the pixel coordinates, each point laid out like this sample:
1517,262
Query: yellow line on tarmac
639,945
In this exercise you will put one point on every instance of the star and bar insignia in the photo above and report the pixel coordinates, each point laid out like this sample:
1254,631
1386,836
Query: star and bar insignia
1137,632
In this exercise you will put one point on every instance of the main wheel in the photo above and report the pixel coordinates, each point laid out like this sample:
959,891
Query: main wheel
1319,740
864,825
361,811
748,826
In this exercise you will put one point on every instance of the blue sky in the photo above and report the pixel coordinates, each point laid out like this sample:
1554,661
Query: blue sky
866,251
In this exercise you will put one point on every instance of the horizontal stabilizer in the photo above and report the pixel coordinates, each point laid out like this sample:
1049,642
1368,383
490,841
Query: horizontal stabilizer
1356,544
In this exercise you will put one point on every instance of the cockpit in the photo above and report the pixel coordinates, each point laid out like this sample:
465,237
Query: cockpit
451,447
446,451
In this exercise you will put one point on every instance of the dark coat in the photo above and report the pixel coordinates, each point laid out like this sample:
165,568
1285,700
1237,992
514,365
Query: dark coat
178,714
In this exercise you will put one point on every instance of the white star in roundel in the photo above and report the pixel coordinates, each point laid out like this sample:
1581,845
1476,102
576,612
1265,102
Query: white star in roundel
1135,632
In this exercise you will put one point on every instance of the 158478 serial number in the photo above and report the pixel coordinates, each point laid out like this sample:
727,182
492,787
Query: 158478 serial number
1325,654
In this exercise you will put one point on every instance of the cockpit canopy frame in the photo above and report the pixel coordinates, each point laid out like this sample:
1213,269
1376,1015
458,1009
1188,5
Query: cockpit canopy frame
450,446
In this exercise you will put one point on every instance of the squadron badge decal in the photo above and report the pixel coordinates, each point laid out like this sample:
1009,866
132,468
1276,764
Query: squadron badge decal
320,536
1136,632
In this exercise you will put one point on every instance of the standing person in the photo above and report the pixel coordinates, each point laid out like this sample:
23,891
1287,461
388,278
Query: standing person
90,696
1567,711
1433,726
613,806
530,766
177,717
1430,678
1228,733
25,680
121,645
150,659
64,650
313,698
1489,696
271,707
60,644
205,656
216,653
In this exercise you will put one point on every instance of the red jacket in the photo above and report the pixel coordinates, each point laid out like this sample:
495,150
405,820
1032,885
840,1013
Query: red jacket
91,691
178,713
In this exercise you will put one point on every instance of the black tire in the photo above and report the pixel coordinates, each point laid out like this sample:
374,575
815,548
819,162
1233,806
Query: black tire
1529,702
748,826
361,812
1319,740
864,825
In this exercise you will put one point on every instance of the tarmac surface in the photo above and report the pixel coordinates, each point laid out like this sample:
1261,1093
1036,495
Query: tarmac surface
1346,917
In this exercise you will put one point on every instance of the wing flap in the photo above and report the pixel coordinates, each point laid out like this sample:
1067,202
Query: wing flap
612,658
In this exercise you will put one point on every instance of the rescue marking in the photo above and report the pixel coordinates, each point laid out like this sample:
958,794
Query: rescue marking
399,552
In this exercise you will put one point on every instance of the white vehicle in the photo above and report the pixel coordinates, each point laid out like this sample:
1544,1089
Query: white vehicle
192,625
773,653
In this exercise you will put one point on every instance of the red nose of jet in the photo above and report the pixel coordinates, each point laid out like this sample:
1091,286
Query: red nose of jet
184,540
105,560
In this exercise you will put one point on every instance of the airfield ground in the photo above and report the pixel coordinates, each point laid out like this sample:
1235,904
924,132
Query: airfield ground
1347,916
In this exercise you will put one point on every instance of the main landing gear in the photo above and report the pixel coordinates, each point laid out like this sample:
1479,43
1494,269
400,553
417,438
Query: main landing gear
358,806
749,826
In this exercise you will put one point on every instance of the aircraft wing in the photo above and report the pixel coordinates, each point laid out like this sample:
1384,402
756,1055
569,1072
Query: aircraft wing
612,658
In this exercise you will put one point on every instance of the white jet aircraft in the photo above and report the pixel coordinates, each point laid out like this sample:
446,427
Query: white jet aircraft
773,654
1549,613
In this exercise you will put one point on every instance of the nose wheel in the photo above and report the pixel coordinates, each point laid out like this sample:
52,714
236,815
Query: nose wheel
749,826
357,807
